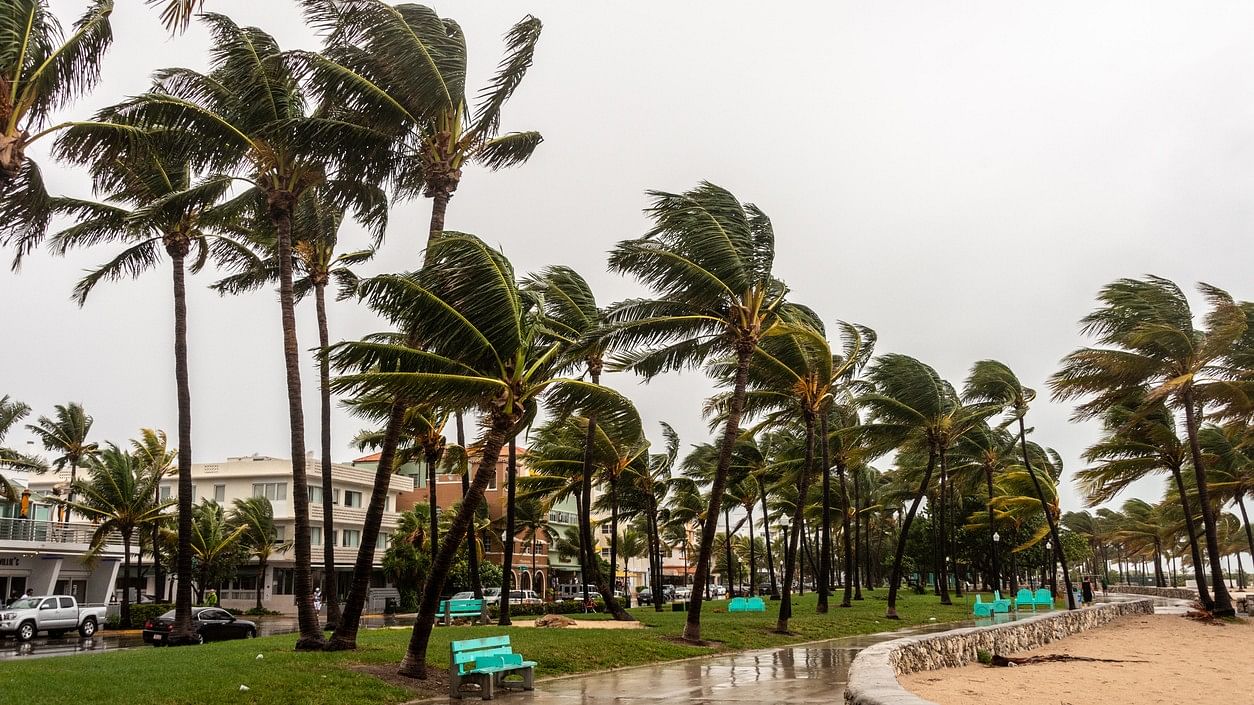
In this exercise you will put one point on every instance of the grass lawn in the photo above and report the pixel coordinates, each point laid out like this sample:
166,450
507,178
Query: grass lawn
213,673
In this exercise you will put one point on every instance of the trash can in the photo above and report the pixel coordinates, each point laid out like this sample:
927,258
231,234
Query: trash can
679,606
1086,589
390,606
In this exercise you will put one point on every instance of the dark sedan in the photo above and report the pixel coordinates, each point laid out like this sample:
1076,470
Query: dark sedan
212,624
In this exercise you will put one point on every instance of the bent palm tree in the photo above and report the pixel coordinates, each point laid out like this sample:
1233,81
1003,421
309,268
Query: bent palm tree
66,434
118,494
256,516
483,348
41,71
708,260
1146,328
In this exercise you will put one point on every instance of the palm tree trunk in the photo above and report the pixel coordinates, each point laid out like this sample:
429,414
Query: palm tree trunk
414,664
1190,526
430,457
507,563
472,547
345,636
614,534
855,568
727,545
280,203
139,564
992,529
798,523
330,585
1059,554
753,559
1158,565
1249,533
1223,601
766,534
261,576
183,630
825,579
592,567
692,627
844,514
894,579
126,570
942,573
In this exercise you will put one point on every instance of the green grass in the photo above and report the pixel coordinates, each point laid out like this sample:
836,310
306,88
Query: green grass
213,673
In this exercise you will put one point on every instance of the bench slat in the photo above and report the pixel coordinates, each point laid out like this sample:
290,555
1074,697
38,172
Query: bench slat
485,642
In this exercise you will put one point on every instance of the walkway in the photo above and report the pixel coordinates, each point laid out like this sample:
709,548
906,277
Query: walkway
806,673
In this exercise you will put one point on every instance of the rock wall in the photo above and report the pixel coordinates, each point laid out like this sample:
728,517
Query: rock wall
873,674
1174,593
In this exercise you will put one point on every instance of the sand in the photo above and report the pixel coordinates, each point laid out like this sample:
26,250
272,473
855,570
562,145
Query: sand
1185,661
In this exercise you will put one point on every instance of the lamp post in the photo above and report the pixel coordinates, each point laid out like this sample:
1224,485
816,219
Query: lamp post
996,569
784,522
1049,551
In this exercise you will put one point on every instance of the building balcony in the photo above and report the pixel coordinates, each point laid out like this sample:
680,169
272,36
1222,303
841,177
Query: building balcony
31,534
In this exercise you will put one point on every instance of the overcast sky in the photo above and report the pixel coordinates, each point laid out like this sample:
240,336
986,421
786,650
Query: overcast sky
961,180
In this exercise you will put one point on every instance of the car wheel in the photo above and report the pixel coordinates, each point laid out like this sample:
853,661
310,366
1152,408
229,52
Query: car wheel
88,628
26,632
250,634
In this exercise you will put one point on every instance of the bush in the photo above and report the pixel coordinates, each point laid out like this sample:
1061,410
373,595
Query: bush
409,601
563,607
152,610
257,612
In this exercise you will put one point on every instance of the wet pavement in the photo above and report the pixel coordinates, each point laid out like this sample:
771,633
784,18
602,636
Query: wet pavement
105,641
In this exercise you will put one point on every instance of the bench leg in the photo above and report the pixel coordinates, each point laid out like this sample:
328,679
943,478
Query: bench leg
528,678
487,686
455,686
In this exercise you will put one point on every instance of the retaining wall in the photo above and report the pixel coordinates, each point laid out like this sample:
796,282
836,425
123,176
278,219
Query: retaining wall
1173,593
873,674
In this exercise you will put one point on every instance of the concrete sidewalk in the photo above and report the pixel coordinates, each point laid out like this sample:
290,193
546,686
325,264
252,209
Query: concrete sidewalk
805,673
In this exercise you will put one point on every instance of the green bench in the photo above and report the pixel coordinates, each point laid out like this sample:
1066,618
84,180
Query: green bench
489,663
746,604
476,610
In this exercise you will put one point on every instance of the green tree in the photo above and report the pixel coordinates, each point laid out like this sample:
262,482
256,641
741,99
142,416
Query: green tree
483,348
66,433
217,546
177,14
1149,340
11,412
708,260
117,495
256,516
42,70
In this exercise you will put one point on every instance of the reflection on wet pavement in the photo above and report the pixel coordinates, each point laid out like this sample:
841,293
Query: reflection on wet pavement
105,641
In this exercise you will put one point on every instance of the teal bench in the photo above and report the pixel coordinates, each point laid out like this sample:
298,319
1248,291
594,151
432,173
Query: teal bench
746,604
1000,604
982,608
1025,598
476,610
1043,599
489,663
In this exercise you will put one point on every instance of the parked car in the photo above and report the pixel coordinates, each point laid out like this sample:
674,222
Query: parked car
212,624
683,593
492,594
524,597
575,592
646,595
54,614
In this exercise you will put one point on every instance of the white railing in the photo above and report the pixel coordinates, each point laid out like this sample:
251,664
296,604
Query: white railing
51,532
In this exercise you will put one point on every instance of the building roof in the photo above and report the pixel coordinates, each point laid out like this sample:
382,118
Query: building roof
372,458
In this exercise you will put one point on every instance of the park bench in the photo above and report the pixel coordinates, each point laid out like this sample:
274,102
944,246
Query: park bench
746,604
982,608
1000,604
1043,598
1025,598
489,663
476,610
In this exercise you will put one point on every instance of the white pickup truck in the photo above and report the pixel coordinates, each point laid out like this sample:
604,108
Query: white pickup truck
55,614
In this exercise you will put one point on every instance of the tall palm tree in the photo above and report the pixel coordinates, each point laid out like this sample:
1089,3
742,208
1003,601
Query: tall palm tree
1149,340
913,410
571,306
117,495
217,544
41,71
1140,440
1229,452
631,544
256,516
531,519
152,451
316,224
988,452
994,383
1144,527
483,348
66,433
708,260
11,412
247,117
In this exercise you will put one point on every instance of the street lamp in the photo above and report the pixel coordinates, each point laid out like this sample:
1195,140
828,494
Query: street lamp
996,568
1049,558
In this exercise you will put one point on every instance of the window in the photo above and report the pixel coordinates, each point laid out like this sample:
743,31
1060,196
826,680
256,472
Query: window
280,533
315,535
284,581
352,499
67,602
219,493
351,538
49,604
492,482
273,491
167,493
382,541
315,494
336,499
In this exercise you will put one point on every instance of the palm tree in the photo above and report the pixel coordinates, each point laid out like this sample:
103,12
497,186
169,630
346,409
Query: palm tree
41,71
1229,452
708,260
177,14
631,544
217,545
315,230
1145,528
484,348
66,434
247,117
256,516
152,451
117,495
531,519
1146,326
988,452
572,308
1140,440
401,70
11,412
913,410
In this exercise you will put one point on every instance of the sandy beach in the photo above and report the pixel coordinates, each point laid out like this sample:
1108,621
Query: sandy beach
1182,661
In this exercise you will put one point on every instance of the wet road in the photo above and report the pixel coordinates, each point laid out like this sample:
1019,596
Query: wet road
104,641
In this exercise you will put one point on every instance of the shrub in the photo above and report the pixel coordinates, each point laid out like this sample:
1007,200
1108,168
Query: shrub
152,610
257,612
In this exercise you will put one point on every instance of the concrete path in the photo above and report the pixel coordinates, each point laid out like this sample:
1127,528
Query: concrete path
807,673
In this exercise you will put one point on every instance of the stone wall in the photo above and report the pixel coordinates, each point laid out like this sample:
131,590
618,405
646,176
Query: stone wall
873,674
1173,593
